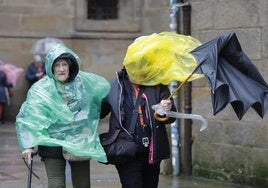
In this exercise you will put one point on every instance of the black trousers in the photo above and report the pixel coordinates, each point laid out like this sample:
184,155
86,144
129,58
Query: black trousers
139,174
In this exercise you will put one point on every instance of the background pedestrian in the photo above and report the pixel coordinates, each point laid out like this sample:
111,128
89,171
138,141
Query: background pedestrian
5,87
35,71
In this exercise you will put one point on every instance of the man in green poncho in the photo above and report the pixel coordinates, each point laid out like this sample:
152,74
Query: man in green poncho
61,114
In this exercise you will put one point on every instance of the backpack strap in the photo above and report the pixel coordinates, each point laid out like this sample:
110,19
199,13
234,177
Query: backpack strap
134,116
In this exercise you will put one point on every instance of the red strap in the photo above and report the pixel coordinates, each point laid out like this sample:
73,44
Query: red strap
137,90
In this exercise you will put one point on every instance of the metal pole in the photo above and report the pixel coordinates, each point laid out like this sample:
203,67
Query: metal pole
181,23
175,135
186,17
175,127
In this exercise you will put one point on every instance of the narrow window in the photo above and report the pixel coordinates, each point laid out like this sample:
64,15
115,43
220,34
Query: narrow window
102,9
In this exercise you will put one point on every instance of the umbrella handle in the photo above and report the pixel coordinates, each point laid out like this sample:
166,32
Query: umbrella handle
156,116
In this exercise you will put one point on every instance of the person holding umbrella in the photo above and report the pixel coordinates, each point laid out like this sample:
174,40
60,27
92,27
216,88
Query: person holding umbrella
57,117
150,64
150,134
4,95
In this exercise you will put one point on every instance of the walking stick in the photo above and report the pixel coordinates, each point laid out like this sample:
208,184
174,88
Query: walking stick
30,170
29,181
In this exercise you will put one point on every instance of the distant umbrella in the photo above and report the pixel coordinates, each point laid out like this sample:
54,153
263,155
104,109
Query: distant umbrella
231,75
13,72
42,46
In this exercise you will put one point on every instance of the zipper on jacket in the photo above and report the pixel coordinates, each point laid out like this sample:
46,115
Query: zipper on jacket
119,102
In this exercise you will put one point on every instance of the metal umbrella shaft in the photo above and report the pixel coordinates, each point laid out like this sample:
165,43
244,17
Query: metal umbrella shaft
156,116
182,84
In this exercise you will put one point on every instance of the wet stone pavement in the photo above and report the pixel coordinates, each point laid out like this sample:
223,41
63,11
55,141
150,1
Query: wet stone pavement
14,173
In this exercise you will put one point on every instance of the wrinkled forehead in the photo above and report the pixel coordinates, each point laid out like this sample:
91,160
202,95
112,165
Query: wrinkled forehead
62,61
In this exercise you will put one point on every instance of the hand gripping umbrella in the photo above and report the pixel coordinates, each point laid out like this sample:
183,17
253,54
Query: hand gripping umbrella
231,75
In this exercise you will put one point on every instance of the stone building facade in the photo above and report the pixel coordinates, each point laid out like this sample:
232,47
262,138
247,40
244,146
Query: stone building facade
228,150
238,149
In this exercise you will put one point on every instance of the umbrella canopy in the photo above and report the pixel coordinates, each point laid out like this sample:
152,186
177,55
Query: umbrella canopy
13,72
231,75
42,46
161,58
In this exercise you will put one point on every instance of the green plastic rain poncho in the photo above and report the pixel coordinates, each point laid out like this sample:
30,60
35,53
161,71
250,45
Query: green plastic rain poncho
63,114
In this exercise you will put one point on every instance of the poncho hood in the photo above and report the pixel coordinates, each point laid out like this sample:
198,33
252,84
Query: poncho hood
64,114
62,52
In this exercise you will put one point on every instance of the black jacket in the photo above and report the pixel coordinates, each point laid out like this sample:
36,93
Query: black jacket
113,104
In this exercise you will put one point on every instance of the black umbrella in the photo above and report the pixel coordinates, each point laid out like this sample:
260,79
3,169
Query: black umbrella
231,75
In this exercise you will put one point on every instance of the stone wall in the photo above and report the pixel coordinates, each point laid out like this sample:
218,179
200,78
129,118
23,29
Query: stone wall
23,22
228,150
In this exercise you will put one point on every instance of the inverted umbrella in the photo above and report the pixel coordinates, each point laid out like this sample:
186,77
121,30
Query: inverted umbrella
161,58
231,75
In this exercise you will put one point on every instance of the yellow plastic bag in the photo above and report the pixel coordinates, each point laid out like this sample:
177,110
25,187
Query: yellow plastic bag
161,58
